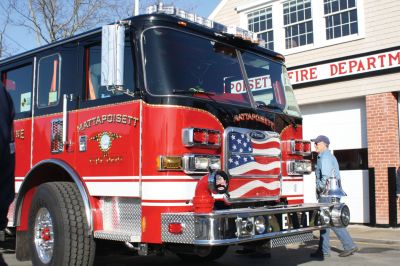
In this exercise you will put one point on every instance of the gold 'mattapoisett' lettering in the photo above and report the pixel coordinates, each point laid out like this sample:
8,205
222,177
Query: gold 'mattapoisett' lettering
110,119
253,117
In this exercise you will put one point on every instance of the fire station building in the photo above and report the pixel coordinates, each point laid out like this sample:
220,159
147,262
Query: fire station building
343,58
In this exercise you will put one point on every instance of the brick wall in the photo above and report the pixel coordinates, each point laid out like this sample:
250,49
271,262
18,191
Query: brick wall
383,147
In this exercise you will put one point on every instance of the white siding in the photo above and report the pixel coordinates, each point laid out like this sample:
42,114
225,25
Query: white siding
228,14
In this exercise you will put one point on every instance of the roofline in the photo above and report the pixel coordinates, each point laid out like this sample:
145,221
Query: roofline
217,9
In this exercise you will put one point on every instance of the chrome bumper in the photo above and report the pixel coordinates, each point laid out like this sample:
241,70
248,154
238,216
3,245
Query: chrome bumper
283,224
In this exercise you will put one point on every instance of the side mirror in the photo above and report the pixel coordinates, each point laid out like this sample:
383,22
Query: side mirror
112,55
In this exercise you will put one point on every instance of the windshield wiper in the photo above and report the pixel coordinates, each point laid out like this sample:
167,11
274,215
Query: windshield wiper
193,91
260,104
286,118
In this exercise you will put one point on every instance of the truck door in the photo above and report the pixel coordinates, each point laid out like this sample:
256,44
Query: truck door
55,77
108,129
108,136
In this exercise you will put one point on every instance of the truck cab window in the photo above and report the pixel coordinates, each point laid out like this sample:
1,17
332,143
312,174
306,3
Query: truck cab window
93,88
93,74
49,80
18,82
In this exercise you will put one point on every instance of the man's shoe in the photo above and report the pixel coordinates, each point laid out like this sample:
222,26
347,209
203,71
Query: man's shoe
319,255
349,252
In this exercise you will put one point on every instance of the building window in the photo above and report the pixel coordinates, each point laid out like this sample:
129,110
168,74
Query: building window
18,83
49,80
260,22
352,159
340,18
298,23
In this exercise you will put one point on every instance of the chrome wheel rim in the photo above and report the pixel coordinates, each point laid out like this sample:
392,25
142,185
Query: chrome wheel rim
44,235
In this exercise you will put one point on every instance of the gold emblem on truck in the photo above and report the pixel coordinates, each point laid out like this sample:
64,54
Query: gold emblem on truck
105,140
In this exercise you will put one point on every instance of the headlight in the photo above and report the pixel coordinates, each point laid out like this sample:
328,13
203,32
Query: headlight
218,182
299,167
200,163
260,224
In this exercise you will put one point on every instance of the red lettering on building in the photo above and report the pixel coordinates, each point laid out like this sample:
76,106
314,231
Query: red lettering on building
394,57
371,62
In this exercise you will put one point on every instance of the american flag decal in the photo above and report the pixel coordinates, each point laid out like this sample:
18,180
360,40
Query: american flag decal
253,160
251,156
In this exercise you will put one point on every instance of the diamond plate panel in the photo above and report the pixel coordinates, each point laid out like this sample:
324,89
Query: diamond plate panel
283,241
188,222
121,219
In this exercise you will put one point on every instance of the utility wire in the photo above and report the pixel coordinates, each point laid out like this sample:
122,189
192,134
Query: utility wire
14,41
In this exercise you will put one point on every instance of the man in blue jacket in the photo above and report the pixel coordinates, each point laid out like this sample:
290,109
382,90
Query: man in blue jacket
326,166
7,157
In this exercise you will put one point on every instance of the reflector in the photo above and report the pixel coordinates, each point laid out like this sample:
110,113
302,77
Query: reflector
175,228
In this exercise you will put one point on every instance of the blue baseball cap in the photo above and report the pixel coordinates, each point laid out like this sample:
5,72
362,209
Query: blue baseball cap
321,138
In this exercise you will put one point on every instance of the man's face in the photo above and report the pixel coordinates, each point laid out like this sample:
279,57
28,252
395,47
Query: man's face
320,146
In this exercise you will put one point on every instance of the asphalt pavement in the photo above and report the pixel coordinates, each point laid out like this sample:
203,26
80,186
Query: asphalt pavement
378,246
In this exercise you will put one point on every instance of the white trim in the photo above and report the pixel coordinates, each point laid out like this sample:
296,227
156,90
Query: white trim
295,198
113,189
155,177
168,190
17,186
33,110
253,4
217,9
174,204
94,178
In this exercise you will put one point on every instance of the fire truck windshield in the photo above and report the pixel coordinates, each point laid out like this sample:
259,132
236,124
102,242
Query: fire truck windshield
179,63
269,84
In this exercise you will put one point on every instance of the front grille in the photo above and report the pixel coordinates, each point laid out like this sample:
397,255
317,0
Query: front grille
253,161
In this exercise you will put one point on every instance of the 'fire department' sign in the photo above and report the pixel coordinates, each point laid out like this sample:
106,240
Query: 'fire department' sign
344,68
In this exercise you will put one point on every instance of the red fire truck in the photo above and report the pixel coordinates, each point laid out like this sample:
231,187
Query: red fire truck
165,131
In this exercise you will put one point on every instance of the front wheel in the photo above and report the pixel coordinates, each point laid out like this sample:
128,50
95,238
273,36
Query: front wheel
58,229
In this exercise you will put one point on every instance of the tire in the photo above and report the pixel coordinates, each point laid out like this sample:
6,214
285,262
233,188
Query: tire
212,254
58,229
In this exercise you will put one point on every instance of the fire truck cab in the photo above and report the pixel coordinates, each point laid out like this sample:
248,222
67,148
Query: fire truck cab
162,131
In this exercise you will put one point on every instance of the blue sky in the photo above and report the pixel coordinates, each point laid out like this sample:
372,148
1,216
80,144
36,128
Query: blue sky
19,39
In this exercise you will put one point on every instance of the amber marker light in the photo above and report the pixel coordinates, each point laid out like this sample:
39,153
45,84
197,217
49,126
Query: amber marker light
182,23
169,163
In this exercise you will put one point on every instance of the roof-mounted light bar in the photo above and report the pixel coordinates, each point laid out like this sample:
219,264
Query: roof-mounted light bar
231,30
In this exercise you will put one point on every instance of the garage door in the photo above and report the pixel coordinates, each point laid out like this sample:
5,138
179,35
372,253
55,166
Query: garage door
344,122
